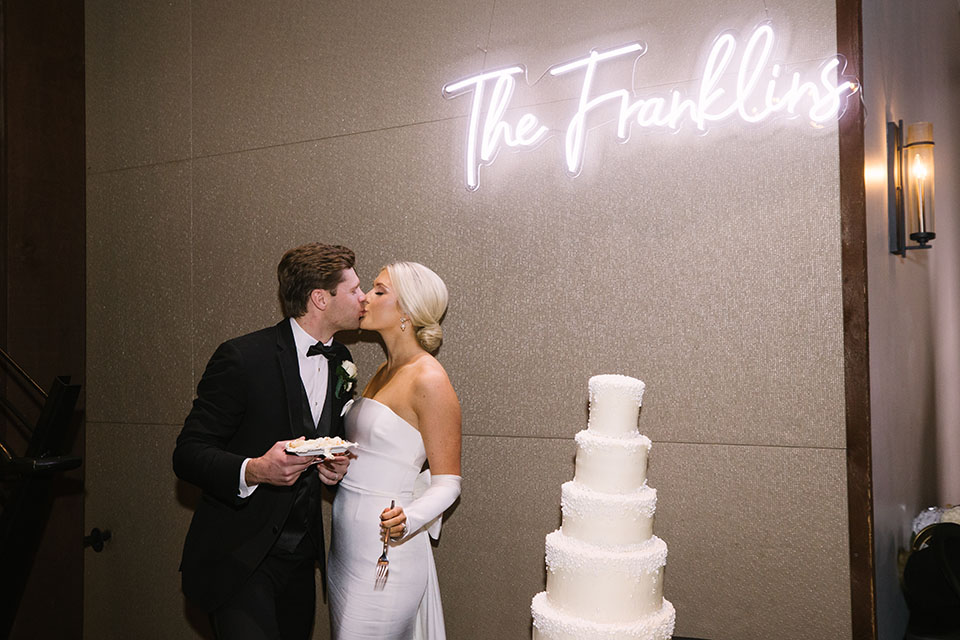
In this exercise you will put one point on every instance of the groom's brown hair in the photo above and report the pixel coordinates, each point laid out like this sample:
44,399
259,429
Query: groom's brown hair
308,267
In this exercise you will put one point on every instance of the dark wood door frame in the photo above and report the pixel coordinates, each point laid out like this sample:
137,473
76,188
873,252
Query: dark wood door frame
853,228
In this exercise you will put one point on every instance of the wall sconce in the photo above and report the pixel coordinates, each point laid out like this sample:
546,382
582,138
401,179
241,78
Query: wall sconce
910,186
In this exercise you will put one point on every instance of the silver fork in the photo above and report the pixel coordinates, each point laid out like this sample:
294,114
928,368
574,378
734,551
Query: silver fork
382,562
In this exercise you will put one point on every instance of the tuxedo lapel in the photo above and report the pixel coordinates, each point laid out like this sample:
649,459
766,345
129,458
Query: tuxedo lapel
290,370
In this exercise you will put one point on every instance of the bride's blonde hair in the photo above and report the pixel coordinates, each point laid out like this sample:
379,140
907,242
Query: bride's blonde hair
422,295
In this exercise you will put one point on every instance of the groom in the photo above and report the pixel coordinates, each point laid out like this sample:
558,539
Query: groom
249,556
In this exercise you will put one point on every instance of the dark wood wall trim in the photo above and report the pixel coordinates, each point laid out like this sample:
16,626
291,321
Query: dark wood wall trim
43,275
853,223
3,199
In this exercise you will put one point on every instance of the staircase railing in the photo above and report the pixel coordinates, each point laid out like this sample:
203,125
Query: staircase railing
27,480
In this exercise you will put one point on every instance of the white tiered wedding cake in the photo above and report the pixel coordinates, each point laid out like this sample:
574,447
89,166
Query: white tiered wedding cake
604,565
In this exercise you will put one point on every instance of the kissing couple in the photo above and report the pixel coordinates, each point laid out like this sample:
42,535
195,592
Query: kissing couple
257,534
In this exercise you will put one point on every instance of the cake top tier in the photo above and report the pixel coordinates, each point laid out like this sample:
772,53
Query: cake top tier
614,404
617,387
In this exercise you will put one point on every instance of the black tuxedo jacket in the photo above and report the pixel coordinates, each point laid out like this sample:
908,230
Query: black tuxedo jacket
250,396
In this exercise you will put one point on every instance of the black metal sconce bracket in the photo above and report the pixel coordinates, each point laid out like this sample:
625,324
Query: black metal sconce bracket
896,213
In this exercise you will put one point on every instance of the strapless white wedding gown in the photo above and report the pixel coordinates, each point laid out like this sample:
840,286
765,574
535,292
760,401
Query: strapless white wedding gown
406,605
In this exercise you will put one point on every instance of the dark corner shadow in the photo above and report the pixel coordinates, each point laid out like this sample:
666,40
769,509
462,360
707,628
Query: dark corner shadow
198,620
187,495
63,485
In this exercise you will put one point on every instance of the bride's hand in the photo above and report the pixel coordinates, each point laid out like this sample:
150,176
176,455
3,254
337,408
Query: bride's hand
395,521
332,469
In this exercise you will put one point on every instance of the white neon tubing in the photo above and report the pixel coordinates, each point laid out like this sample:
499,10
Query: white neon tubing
597,56
746,83
756,95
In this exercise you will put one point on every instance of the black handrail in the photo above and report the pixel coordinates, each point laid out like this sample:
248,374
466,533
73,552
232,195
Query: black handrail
20,422
23,374
44,466
25,514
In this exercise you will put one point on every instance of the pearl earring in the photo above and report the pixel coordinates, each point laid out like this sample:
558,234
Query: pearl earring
403,324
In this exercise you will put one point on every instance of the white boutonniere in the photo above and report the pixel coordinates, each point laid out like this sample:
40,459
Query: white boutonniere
346,378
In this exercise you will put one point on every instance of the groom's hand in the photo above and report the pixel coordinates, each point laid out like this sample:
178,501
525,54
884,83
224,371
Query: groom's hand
277,467
331,469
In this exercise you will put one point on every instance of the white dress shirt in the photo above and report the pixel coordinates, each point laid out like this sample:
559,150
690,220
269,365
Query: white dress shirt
314,373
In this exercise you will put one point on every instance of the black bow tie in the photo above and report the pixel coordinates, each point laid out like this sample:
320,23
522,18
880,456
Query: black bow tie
321,349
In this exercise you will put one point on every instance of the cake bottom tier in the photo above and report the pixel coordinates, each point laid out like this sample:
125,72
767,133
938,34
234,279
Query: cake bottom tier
550,623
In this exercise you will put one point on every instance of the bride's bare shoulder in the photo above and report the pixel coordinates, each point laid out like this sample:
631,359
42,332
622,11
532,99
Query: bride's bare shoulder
430,376
433,398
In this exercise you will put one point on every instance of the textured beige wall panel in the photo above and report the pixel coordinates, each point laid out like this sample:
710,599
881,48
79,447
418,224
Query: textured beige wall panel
138,62
542,34
268,73
138,295
678,35
490,559
132,588
132,492
806,31
757,540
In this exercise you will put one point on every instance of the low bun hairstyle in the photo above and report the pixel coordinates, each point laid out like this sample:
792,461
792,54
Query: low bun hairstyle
423,297
430,336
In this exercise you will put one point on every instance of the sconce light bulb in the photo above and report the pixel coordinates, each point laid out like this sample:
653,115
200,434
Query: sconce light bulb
920,169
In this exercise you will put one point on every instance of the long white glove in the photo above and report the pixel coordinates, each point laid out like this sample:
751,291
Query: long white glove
438,493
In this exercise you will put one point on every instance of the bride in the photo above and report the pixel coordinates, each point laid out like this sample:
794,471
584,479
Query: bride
408,415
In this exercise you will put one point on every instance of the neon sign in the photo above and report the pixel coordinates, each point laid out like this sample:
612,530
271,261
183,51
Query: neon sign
760,91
